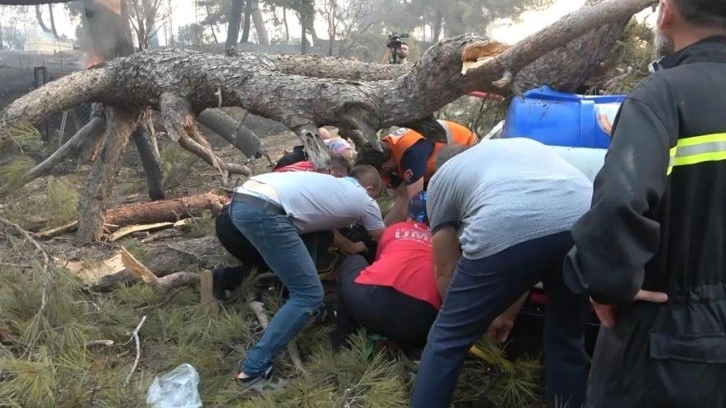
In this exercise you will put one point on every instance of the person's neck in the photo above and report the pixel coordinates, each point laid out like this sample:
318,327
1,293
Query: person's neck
694,35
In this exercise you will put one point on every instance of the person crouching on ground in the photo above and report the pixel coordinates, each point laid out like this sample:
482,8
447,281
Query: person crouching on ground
395,296
272,210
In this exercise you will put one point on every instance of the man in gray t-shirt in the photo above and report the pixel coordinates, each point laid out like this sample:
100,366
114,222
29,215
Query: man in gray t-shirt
506,206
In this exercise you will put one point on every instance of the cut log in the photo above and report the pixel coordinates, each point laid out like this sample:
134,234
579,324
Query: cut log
166,210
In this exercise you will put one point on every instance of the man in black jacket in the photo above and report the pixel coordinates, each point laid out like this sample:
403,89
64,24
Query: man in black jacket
651,252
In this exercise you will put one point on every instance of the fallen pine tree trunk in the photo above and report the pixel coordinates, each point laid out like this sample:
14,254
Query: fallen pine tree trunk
165,210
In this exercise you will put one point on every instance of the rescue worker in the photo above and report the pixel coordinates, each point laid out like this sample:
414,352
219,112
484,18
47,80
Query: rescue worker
650,252
401,278
509,205
408,159
272,210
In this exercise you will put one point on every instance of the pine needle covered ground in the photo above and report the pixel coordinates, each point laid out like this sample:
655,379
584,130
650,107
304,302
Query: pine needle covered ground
55,357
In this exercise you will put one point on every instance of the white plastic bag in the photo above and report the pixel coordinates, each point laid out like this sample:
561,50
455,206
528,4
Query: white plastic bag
175,389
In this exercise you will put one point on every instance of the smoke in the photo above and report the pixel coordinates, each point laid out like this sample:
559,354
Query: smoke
107,31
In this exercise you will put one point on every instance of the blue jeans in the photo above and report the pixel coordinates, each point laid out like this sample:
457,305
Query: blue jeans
283,250
481,290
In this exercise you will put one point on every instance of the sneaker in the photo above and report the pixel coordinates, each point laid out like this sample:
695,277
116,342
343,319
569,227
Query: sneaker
258,382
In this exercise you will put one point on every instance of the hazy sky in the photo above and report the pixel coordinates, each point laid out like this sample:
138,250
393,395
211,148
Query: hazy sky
504,30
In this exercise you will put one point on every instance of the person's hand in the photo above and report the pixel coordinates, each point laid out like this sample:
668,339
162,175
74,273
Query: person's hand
358,247
500,328
606,313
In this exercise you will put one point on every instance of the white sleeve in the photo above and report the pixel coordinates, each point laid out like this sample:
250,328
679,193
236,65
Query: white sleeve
372,219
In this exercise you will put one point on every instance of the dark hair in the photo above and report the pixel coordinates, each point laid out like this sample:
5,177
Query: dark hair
341,161
428,127
372,157
708,13
447,152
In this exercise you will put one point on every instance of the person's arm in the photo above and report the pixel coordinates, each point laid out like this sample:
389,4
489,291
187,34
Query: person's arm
346,245
617,236
397,213
500,328
445,246
372,220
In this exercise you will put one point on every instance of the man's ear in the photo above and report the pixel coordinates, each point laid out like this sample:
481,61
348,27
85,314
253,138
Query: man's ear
666,14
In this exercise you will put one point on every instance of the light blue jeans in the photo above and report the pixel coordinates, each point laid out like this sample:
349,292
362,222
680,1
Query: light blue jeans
283,250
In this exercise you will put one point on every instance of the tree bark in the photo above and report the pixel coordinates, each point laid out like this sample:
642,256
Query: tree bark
234,17
182,83
580,59
165,210
120,125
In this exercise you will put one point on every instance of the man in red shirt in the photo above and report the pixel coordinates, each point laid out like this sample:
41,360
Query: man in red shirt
396,296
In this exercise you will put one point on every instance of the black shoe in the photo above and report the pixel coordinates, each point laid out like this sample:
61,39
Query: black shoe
219,288
211,286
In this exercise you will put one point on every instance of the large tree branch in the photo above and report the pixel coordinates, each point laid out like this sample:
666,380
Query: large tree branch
272,86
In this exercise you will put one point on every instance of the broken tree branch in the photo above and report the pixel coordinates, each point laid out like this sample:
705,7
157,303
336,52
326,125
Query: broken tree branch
135,336
92,132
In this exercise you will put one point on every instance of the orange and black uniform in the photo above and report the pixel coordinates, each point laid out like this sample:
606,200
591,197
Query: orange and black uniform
415,156
658,223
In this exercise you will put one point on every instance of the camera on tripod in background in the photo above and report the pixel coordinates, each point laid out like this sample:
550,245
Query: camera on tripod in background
394,44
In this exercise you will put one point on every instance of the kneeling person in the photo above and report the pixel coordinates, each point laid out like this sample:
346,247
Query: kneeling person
396,296
271,211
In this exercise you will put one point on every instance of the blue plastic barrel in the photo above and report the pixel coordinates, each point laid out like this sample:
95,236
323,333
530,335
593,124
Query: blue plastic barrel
562,119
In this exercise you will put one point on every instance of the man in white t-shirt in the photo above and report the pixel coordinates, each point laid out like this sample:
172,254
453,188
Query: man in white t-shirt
272,210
